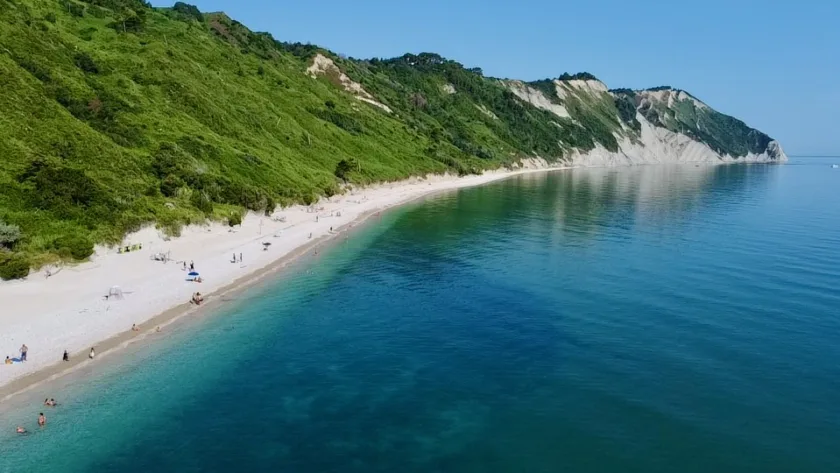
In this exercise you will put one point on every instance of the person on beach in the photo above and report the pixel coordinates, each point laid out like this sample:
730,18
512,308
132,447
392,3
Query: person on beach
197,299
185,266
42,420
240,257
23,350
234,258
134,328
66,356
8,360
92,353
157,329
192,266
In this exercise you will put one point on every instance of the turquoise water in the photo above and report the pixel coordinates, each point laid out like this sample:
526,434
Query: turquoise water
652,319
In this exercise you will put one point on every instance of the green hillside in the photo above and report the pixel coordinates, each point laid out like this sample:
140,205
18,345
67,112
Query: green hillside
114,114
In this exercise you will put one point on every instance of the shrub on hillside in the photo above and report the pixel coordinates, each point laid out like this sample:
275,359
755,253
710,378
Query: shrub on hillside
41,72
202,202
13,266
169,185
66,191
345,167
86,63
235,219
345,122
627,111
9,235
75,9
331,189
270,205
78,246
130,21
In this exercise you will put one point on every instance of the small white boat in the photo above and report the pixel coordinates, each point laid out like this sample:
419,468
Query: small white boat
835,166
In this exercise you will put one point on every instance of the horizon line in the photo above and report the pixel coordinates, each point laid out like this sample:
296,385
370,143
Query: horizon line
814,155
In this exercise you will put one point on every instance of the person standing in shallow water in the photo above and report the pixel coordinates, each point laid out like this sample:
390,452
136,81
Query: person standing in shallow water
23,350
42,420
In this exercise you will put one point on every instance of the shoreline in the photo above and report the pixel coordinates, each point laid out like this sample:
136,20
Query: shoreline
108,342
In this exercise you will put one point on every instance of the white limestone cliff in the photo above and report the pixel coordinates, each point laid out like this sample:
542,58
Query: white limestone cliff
658,145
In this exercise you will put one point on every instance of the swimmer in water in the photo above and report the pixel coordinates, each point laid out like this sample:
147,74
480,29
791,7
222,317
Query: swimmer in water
20,429
42,420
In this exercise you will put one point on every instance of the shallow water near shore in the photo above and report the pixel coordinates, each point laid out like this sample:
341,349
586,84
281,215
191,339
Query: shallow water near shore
651,319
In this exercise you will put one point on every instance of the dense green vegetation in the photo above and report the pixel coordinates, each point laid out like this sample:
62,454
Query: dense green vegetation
115,114
577,76
461,133
114,110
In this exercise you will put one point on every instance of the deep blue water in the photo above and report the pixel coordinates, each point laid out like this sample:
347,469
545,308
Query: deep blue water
651,319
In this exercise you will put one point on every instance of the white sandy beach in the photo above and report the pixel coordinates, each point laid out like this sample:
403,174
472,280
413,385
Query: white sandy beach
68,311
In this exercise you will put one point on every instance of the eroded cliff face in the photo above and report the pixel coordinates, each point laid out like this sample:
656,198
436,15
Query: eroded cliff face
663,125
657,145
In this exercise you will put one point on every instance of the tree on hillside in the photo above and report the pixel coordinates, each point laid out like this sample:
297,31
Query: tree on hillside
418,100
345,167
188,11
130,21
577,76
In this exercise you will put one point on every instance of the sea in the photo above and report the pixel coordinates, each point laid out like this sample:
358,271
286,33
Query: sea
641,319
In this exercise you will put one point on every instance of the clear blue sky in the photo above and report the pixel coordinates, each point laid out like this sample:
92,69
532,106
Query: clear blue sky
775,65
